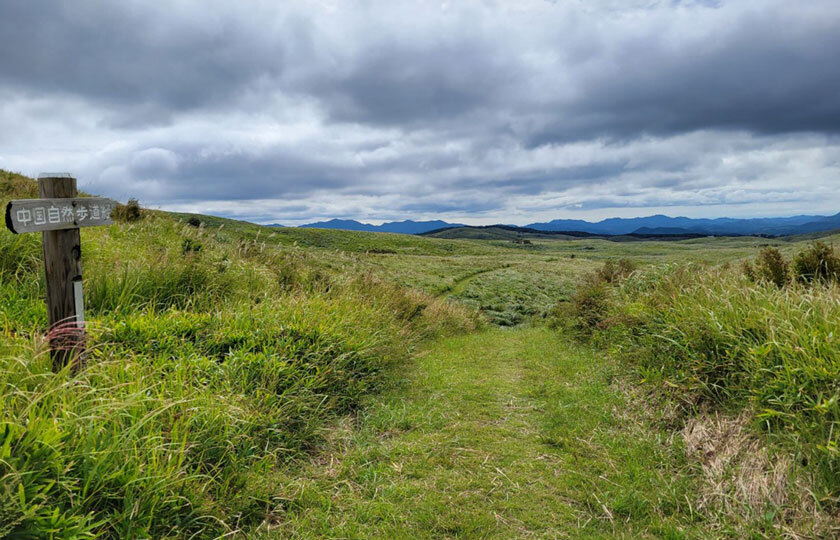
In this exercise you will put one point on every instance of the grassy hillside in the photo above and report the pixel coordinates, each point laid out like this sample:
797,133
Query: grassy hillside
16,186
235,372
490,233
214,356
735,356
335,239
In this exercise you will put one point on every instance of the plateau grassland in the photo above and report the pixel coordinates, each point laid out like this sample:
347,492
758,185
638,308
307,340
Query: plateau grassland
282,382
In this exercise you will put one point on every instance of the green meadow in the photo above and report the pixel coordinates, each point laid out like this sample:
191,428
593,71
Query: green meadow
254,382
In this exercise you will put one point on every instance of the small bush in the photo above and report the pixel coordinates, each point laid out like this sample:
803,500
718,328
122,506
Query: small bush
589,305
748,269
128,212
615,271
587,309
772,267
194,222
817,262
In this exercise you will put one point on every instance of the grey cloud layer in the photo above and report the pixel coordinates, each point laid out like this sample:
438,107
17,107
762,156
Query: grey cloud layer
462,108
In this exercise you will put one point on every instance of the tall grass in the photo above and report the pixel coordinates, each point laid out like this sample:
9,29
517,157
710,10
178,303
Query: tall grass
157,285
207,369
712,336
19,255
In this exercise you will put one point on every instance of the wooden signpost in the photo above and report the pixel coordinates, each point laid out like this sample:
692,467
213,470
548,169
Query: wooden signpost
58,214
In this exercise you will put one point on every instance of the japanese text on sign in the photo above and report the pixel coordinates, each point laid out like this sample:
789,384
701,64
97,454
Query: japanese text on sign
32,215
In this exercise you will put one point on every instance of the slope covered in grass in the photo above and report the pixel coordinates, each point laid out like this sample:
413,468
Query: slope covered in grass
347,241
494,233
737,358
214,357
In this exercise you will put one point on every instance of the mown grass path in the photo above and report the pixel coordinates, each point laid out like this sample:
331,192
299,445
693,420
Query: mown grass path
461,285
500,434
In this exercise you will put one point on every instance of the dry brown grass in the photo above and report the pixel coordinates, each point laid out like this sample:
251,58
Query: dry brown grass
737,469
744,480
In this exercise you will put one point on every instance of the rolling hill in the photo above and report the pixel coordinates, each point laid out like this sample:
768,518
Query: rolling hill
512,233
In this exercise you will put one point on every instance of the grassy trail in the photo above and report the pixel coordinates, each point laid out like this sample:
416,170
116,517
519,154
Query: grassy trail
461,285
501,434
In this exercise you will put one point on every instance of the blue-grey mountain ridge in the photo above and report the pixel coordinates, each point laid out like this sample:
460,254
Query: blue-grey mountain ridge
653,225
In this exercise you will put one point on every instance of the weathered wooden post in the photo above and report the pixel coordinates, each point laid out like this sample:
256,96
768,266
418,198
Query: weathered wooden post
63,267
59,214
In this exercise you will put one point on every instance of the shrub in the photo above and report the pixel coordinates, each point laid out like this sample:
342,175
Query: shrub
194,222
748,269
615,271
589,305
128,212
817,262
772,267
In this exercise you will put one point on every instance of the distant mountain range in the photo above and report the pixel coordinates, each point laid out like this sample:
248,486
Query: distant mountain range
660,224
651,225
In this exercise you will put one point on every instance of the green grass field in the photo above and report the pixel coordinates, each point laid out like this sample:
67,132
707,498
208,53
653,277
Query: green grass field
251,382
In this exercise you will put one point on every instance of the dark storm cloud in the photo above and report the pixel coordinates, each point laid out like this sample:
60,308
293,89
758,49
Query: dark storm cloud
467,107
393,83
763,70
237,175
163,57
768,72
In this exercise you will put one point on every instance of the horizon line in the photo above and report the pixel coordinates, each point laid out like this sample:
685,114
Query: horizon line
490,224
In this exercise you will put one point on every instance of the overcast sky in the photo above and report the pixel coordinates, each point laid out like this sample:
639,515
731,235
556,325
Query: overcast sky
473,111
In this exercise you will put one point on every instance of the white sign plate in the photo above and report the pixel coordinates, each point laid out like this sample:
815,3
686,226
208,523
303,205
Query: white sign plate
33,215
